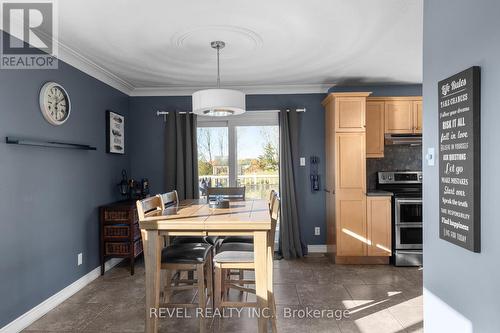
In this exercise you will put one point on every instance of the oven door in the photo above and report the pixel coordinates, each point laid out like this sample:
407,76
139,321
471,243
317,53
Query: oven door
408,210
408,236
408,223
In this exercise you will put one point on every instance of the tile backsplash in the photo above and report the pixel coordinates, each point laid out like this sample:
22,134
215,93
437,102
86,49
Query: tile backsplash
396,157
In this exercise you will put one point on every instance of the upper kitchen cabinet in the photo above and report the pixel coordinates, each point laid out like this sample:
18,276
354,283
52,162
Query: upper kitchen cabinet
403,115
375,124
349,111
398,116
417,116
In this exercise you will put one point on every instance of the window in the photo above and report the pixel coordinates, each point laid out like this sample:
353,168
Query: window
239,151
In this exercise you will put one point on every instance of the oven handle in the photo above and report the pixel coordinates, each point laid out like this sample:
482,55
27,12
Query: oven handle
410,224
406,201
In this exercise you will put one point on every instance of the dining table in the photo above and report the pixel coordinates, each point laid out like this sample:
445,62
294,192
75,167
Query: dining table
195,217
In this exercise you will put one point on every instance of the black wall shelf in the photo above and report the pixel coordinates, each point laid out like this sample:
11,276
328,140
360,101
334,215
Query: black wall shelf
49,144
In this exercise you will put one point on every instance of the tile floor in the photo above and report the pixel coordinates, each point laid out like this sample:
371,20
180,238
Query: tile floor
383,299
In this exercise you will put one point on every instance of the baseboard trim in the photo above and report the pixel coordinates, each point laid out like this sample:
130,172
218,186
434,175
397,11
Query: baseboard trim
317,248
26,319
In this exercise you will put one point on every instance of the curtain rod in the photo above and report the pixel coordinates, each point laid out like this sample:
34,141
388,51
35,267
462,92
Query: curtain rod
164,113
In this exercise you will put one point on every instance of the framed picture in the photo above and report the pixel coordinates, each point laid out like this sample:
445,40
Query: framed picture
115,133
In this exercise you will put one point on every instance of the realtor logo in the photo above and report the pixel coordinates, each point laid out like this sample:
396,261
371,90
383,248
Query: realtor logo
29,31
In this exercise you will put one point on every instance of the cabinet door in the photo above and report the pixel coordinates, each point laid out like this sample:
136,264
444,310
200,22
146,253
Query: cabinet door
378,212
375,122
350,162
398,117
350,114
351,224
331,240
417,116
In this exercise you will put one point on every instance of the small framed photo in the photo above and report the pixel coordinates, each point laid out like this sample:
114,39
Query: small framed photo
115,133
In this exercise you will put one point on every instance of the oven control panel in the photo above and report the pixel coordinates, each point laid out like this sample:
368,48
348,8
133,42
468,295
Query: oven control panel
400,177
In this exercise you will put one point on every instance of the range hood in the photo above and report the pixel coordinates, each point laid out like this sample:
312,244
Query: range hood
403,139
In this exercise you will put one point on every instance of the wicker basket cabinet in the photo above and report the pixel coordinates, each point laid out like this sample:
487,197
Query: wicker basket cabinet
120,232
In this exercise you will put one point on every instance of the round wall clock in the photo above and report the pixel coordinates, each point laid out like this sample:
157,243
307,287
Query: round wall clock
54,103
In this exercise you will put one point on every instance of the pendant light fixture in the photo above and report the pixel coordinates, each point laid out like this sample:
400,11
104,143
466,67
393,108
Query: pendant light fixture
218,102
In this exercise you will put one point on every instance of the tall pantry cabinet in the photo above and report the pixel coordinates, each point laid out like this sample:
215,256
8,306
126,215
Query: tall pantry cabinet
346,174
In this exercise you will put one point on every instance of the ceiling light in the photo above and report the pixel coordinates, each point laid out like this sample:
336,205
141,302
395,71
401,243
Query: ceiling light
218,102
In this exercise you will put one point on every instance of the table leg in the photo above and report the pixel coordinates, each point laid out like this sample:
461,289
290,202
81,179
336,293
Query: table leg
261,288
270,286
152,245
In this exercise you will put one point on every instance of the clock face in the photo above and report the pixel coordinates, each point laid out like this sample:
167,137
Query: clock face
54,103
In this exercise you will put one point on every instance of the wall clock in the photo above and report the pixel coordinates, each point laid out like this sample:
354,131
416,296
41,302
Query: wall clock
54,103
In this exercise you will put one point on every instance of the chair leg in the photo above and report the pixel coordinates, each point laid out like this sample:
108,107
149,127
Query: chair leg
218,288
202,301
167,285
210,280
241,276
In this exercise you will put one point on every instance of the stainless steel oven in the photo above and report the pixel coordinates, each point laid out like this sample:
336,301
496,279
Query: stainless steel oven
406,187
408,223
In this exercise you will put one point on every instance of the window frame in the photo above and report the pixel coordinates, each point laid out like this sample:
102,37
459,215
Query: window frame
252,118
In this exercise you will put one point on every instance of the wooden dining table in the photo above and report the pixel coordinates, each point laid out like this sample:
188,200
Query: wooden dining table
196,218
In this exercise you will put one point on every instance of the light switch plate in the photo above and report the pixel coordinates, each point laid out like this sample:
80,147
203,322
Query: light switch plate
317,231
302,161
431,156
80,258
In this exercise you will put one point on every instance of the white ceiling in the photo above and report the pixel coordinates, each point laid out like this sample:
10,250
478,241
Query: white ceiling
163,47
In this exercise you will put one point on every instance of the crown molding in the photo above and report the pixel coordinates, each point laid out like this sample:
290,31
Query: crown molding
249,90
77,60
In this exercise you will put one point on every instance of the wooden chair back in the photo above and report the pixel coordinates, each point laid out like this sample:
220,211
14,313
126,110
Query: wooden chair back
275,216
169,199
270,202
230,193
149,206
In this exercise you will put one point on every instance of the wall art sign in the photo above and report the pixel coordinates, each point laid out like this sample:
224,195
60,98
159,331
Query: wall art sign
459,159
115,133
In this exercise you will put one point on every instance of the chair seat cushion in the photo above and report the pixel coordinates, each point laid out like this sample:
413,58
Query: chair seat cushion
238,239
189,253
246,247
234,256
188,239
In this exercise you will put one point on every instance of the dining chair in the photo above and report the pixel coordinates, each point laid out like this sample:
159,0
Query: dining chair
169,199
230,193
226,260
242,243
248,239
182,257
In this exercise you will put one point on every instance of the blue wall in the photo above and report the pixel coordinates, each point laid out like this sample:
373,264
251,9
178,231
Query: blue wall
49,197
462,287
146,145
383,89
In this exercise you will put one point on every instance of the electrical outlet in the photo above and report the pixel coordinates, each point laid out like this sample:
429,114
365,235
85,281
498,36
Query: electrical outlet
317,231
80,258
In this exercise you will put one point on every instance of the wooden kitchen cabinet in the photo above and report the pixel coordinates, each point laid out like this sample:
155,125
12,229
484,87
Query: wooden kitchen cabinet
375,124
417,116
350,162
403,115
345,174
398,117
351,224
350,114
378,214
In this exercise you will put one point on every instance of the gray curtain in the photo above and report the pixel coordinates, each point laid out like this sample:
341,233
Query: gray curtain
291,245
181,155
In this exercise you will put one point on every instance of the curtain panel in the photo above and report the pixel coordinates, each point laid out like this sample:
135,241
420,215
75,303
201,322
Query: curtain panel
291,245
181,155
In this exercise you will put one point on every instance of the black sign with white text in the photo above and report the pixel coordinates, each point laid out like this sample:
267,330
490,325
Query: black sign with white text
459,159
